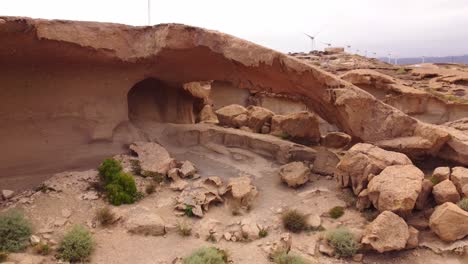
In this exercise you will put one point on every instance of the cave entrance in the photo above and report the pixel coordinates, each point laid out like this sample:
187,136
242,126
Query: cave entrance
157,101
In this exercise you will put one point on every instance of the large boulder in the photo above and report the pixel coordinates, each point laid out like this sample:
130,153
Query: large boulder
294,174
445,192
258,117
364,160
441,173
336,140
227,114
325,162
459,177
153,158
396,188
449,222
302,125
242,190
387,232
141,221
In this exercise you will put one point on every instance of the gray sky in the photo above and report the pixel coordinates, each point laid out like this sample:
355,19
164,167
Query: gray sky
404,27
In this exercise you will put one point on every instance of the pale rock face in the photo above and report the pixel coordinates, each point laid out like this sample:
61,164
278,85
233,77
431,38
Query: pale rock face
424,195
449,222
336,140
459,177
302,125
441,173
294,174
396,188
153,157
445,192
207,115
363,160
387,232
227,114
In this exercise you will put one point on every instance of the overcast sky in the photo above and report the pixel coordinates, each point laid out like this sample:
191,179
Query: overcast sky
403,27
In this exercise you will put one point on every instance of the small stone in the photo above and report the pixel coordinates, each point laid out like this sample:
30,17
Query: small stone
34,240
314,221
66,213
7,194
327,250
60,222
358,257
227,236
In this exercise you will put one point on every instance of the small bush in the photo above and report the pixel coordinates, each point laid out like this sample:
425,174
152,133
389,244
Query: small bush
294,221
122,190
3,256
434,180
285,258
208,255
150,188
105,216
336,212
263,232
15,231
184,228
109,170
343,242
42,249
77,245
463,204
370,214
188,210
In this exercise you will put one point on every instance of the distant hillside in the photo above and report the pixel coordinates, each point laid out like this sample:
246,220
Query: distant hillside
449,59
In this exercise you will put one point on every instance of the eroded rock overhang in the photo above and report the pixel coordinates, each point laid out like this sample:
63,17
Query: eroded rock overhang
177,53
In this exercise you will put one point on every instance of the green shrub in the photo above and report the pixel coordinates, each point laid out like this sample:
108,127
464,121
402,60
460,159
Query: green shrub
188,210
294,221
77,245
263,232
285,258
15,231
109,170
42,249
463,204
105,216
343,241
336,212
208,255
184,228
122,190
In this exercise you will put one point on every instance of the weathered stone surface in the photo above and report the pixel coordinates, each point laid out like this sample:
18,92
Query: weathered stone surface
363,201
227,114
361,161
386,233
187,169
336,140
441,173
459,177
207,115
258,116
325,162
424,195
240,121
449,222
302,125
294,174
445,192
242,190
413,240
396,188
153,158
7,194
145,223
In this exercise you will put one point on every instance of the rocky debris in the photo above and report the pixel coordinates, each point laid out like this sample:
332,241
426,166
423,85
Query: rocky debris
7,194
143,222
283,245
258,117
174,174
424,195
245,230
207,115
325,162
335,140
459,177
153,158
413,240
187,169
302,125
396,188
431,241
441,173
209,229
326,249
227,114
197,198
363,160
242,190
445,192
34,240
387,232
294,174
178,185
449,222
90,195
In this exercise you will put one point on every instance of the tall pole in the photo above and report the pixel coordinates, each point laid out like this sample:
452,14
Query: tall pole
149,12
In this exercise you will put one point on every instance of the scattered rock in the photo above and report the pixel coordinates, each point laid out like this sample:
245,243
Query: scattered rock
459,177
301,125
242,191
449,222
178,185
396,188
34,240
249,229
153,158
314,221
441,173
445,192
7,194
187,169
283,245
258,116
386,233
336,140
227,114
294,174
358,257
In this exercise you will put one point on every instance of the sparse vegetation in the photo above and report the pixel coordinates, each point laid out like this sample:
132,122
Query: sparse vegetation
285,258
157,177
184,228
109,170
463,204
294,221
209,255
15,231
120,187
434,180
211,238
150,188
77,245
263,232
348,197
136,168
343,241
336,212
188,210
42,249
105,216
401,71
